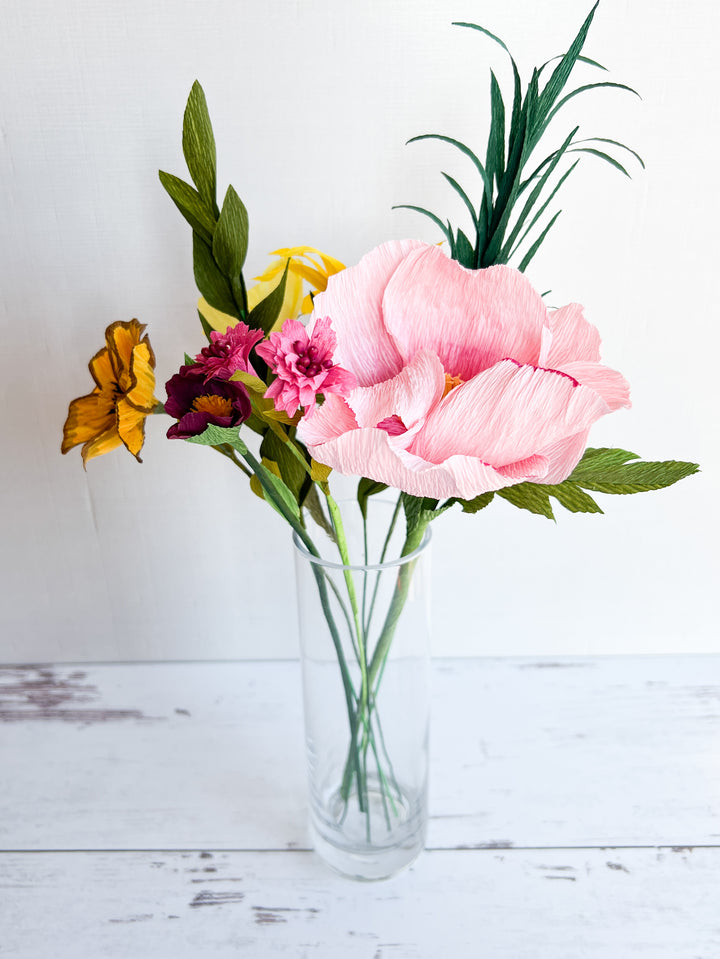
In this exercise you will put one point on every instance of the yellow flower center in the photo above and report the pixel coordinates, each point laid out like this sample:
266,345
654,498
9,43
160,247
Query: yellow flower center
213,404
450,383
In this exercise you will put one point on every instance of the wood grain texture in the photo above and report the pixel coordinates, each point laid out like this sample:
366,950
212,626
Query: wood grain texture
513,904
587,752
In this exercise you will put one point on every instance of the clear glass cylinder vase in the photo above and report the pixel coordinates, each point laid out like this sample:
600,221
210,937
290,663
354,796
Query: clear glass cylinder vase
364,636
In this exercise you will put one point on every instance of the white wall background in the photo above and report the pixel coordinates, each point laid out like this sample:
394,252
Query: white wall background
312,102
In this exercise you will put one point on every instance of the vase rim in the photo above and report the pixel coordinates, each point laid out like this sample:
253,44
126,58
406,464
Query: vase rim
389,564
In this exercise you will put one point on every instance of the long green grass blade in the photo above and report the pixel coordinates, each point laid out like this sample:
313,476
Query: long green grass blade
463,149
536,245
475,26
540,212
495,161
603,156
583,89
560,74
616,143
464,197
447,233
537,190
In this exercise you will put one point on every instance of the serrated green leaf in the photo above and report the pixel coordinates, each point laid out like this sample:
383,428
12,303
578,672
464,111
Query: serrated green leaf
473,505
366,489
211,282
573,498
230,241
220,436
199,146
190,204
528,496
639,477
600,458
536,245
263,316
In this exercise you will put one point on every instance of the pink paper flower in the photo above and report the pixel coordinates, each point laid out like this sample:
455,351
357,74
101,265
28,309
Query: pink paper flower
228,352
304,367
466,383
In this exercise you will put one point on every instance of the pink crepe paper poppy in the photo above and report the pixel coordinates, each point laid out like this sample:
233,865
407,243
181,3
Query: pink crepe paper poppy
466,382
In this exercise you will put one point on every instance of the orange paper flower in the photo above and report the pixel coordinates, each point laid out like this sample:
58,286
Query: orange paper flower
114,413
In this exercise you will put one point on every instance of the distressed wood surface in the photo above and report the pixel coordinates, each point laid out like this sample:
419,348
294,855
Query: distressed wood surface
477,904
158,810
587,752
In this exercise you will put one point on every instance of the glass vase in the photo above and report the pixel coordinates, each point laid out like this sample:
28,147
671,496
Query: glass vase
364,636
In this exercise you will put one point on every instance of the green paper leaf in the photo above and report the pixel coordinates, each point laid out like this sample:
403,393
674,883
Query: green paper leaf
573,498
536,245
190,204
562,71
614,143
220,436
213,285
464,252
366,489
206,328
436,220
529,496
263,316
463,149
473,505
230,241
588,86
603,156
495,158
199,146
475,26
293,475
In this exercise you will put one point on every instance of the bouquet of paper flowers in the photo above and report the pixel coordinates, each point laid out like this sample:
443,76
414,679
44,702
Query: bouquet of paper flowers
436,371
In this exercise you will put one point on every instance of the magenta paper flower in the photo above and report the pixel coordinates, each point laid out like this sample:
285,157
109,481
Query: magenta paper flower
303,364
466,382
196,402
228,352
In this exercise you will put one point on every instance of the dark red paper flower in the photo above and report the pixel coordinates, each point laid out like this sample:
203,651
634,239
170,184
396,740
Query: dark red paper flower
197,402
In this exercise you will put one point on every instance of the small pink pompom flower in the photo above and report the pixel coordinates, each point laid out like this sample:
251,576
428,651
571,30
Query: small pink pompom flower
303,364
228,352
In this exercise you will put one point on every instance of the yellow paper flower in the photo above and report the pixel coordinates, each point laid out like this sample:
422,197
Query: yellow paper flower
115,412
315,272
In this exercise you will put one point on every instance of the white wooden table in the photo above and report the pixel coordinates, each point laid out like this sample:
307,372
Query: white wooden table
158,810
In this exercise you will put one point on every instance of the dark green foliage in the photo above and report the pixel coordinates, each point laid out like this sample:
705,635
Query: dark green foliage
500,227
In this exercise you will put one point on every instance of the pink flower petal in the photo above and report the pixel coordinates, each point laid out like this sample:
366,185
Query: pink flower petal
368,452
507,414
470,318
409,395
353,301
611,385
327,422
567,337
